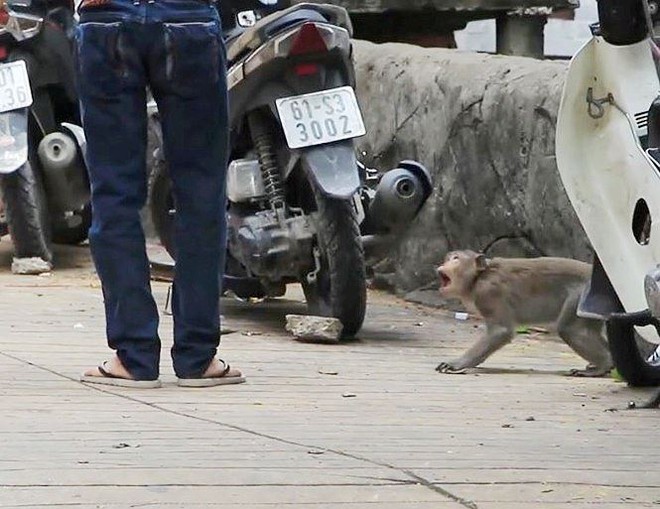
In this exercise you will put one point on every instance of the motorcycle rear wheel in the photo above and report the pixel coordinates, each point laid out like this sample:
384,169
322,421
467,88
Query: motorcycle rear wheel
630,353
27,213
340,289
73,235
161,203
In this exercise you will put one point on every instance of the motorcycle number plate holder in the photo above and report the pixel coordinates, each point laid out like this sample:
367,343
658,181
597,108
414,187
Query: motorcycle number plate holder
15,92
321,117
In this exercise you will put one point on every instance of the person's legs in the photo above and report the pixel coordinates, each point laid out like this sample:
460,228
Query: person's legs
187,70
111,82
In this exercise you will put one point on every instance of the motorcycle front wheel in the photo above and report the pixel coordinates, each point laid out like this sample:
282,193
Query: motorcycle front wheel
340,288
631,353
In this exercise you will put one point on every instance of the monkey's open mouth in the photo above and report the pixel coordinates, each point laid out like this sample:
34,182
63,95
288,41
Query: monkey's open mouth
445,280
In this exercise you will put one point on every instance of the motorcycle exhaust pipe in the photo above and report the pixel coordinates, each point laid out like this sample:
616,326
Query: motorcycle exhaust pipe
377,247
64,172
399,196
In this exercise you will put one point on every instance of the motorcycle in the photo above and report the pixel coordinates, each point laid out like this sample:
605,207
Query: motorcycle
43,179
301,208
608,154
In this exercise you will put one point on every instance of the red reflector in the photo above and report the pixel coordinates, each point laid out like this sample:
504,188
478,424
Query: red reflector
3,53
306,69
308,40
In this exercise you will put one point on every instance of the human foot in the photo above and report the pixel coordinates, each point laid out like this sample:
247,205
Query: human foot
114,373
218,373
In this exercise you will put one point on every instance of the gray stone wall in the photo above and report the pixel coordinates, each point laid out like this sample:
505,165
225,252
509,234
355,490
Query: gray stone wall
484,125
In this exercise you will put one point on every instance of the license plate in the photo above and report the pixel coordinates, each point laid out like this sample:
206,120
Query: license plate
321,117
15,90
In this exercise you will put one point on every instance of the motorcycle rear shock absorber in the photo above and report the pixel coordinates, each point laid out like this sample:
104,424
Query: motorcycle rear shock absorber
265,147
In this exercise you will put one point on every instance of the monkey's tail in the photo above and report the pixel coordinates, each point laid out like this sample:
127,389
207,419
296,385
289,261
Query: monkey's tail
524,236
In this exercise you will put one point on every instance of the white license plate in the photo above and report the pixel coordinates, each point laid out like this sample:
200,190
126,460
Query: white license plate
15,90
321,117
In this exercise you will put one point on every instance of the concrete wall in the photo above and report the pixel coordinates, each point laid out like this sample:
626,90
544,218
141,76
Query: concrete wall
485,127
562,37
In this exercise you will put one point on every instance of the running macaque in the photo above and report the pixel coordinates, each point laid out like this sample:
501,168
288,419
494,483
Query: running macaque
523,291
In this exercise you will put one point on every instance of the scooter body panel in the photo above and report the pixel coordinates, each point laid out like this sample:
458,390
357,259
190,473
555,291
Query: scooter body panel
603,165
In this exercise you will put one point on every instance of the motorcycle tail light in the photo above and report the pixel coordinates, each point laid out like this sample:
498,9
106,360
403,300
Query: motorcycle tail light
309,40
4,14
306,69
3,53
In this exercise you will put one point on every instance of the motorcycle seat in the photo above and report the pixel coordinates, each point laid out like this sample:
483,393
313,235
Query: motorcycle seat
265,28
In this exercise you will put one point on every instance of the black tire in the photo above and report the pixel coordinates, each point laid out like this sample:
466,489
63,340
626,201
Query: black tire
161,202
73,235
27,213
630,353
340,290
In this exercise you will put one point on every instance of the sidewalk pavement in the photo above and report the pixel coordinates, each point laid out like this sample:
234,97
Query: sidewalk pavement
366,424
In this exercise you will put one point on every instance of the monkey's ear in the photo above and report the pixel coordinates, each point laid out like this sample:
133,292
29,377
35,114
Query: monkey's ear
481,261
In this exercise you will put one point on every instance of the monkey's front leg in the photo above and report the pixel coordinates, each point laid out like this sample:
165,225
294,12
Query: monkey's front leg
495,338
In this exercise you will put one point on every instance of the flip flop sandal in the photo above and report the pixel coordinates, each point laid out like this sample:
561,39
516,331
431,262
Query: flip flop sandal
108,378
212,381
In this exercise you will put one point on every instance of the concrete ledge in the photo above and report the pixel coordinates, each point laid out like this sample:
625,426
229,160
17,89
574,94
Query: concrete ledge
424,6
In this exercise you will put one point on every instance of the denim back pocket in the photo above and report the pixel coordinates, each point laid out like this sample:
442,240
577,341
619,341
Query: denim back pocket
100,68
194,57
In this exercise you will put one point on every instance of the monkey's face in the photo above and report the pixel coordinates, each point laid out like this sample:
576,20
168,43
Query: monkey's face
458,271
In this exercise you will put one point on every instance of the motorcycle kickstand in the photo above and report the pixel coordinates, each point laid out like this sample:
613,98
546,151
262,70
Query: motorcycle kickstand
312,276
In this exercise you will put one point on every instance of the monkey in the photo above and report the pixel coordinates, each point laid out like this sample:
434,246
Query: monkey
509,292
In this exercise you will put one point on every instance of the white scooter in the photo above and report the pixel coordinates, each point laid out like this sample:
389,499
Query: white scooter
607,147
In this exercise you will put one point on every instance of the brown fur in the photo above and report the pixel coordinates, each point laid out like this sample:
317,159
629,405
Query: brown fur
508,292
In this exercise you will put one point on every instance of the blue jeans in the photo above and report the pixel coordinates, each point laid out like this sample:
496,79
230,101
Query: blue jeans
175,47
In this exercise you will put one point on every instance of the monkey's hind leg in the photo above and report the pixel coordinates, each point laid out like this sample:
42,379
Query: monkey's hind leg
585,337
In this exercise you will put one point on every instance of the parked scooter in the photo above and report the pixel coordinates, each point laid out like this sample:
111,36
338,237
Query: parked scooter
42,175
301,207
608,153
